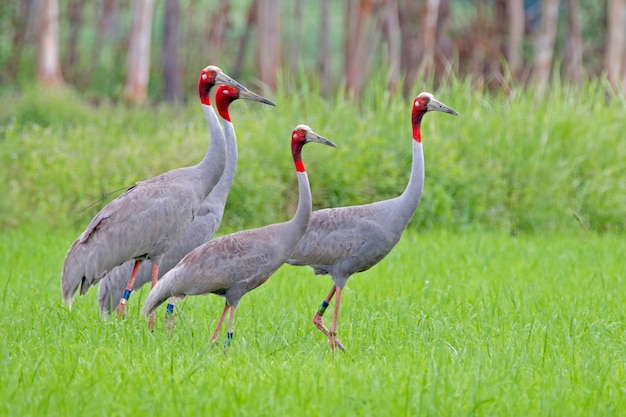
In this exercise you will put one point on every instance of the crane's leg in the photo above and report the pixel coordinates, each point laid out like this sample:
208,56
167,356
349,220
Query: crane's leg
121,307
332,334
170,319
319,322
155,277
231,321
219,323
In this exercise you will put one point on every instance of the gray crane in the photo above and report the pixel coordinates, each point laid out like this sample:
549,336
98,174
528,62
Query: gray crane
150,216
234,264
345,240
202,229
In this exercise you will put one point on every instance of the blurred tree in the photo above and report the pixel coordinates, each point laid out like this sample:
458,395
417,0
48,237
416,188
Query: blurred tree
429,37
544,45
515,41
268,42
357,43
48,64
76,18
251,21
169,61
138,64
295,40
614,43
18,40
409,12
219,22
393,36
574,47
323,50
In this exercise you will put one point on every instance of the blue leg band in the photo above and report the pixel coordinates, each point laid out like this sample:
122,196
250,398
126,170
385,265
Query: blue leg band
322,309
170,308
127,294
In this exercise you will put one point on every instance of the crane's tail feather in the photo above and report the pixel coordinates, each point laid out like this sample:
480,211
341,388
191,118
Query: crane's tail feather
78,271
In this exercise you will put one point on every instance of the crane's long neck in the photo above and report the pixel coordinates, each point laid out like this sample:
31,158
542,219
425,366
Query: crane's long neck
412,194
300,220
222,188
212,165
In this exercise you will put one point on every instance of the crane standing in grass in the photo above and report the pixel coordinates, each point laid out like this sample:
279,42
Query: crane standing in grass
232,265
202,229
148,218
345,240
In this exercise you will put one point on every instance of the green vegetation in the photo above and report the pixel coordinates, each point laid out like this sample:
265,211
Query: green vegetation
513,164
449,324
505,297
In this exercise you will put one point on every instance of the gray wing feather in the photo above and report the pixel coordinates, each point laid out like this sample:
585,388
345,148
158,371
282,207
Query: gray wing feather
352,239
230,265
124,229
202,229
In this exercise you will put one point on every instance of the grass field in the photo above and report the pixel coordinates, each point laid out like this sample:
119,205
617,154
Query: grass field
504,297
448,324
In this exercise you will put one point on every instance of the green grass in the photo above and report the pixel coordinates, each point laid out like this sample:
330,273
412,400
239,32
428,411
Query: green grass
508,301
448,324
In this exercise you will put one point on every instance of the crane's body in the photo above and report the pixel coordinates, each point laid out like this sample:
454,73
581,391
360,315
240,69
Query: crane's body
147,219
234,264
205,224
343,241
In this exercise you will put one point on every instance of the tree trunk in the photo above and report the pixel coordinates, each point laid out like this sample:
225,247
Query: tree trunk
48,65
574,50
357,39
516,18
296,38
409,15
251,21
107,24
323,50
544,46
268,42
76,23
20,20
171,76
429,37
614,47
218,24
391,27
138,68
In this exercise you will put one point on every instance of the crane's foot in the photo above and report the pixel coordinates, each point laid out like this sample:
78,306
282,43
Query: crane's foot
334,342
151,321
227,342
121,309
170,321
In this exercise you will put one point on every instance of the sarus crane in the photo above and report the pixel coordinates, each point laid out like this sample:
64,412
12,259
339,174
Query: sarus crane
345,240
232,265
205,223
149,217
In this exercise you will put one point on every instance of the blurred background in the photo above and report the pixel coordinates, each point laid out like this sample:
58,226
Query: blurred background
96,95
138,50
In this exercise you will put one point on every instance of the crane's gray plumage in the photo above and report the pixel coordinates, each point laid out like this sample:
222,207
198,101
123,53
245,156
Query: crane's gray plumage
152,215
202,229
232,265
346,240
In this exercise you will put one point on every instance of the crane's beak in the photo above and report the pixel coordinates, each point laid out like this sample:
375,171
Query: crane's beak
436,105
249,95
222,78
314,137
